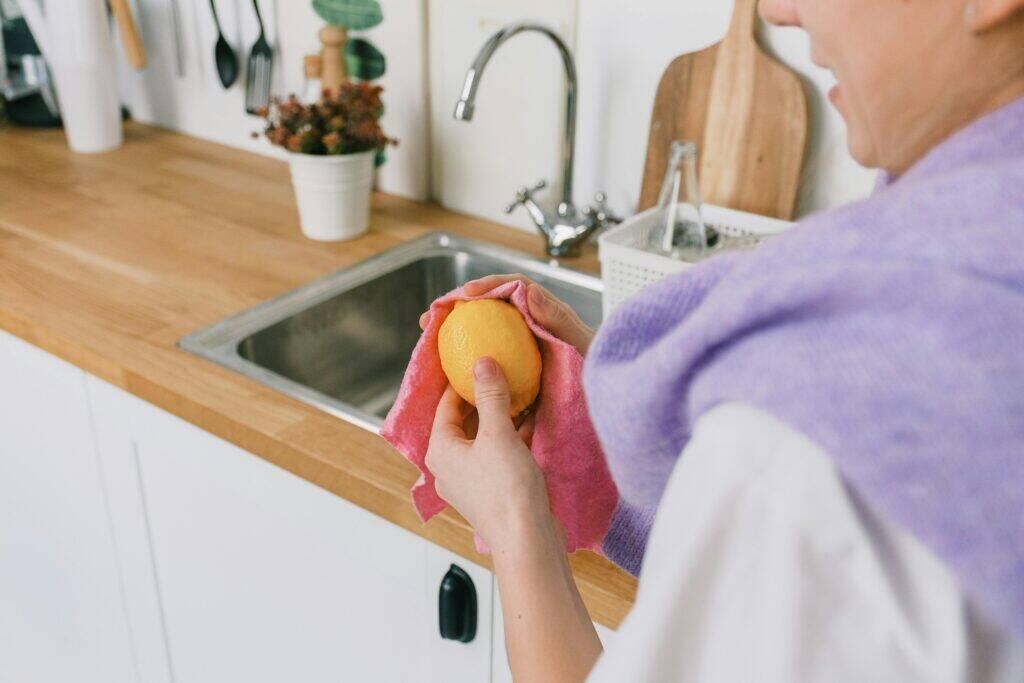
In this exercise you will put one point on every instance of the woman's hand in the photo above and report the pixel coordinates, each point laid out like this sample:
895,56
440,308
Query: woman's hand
556,316
490,477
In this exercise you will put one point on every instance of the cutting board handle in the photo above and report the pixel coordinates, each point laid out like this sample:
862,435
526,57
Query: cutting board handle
744,20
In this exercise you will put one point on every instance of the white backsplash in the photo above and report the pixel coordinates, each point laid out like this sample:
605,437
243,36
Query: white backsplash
197,105
402,37
515,138
621,53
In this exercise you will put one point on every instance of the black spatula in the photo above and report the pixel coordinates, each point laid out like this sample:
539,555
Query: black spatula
261,59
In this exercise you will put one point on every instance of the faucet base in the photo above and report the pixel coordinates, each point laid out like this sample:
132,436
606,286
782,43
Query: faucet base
565,228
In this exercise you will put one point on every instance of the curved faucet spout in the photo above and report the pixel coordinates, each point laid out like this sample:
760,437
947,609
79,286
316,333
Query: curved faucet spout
466,105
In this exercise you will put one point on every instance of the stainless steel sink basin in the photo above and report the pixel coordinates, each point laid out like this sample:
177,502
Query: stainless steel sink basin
342,343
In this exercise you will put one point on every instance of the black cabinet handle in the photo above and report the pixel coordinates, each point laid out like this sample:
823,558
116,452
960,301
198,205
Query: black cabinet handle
456,606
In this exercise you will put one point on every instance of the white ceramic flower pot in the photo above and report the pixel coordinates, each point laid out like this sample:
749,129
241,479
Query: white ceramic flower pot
333,194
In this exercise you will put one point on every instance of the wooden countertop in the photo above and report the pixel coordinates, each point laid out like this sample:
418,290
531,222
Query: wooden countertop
107,260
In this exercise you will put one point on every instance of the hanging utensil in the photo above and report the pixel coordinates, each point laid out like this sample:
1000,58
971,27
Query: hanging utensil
224,57
261,59
131,41
179,55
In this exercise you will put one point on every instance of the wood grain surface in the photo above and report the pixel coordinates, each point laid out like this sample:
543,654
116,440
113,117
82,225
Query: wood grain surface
746,112
107,260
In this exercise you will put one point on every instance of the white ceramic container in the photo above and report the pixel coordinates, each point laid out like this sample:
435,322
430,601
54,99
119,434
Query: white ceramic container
333,194
74,36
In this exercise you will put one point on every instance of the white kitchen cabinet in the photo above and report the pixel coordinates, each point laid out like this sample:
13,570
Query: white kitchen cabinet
62,615
244,572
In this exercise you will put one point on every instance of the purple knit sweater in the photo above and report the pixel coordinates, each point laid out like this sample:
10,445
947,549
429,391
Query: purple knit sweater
890,331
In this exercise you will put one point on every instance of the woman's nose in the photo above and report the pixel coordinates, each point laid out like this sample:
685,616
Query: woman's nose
780,12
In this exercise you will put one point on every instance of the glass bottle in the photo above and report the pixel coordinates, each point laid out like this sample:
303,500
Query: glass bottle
681,233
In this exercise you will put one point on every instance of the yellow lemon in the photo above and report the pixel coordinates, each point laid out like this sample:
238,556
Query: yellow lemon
494,328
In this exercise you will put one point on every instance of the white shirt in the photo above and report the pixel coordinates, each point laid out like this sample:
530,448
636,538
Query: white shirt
762,566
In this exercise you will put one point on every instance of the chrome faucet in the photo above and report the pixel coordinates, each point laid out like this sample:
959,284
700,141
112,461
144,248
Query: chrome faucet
564,227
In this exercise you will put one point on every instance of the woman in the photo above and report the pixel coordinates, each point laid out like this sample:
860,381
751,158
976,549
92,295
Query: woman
831,428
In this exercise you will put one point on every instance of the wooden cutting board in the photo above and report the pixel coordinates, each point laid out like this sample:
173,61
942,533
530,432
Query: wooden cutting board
746,112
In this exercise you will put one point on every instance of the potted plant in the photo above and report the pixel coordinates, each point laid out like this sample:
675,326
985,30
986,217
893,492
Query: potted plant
332,146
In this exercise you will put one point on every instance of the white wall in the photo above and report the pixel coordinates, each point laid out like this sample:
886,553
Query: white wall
516,135
196,104
475,168
622,52
402,38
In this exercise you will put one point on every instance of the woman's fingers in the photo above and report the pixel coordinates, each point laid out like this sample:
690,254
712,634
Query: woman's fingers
471,424
486,284
545,307
450,416
480,286
525,430
559,319
447,436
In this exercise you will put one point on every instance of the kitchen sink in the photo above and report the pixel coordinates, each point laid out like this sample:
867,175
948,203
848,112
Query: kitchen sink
341,343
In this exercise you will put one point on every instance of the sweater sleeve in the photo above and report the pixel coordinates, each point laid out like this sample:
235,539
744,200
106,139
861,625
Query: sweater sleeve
626,539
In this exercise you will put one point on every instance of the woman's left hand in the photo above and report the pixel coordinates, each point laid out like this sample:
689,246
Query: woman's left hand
490,477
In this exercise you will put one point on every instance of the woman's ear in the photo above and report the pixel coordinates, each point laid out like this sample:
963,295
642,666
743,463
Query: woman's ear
985,15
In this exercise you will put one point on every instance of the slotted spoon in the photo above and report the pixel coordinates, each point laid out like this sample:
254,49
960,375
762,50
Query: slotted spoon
261,59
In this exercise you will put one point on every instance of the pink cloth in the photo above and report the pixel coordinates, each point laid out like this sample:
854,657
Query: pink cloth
580,488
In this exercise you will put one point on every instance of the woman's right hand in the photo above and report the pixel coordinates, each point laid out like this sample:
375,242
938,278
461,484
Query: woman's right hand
556,316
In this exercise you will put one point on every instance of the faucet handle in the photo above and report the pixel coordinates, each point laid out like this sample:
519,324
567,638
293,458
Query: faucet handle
524,194
600,212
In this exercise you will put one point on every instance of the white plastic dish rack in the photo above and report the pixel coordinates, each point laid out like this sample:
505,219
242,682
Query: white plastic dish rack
626,268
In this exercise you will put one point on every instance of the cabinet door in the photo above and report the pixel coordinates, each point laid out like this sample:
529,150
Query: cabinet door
262,576
61,610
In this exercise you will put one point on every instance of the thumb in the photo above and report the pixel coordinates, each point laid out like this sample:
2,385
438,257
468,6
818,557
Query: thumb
490,393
